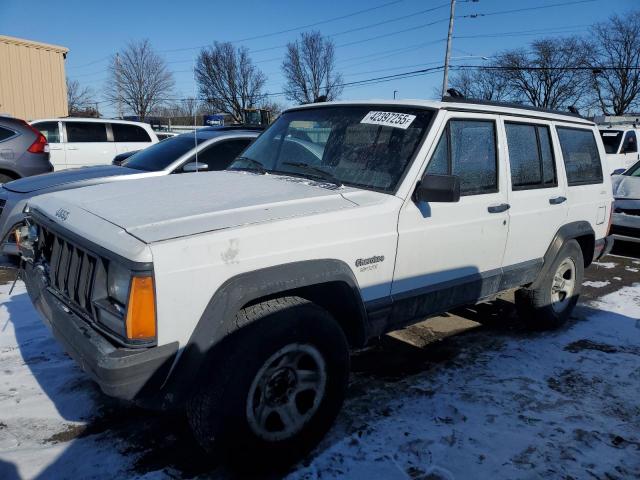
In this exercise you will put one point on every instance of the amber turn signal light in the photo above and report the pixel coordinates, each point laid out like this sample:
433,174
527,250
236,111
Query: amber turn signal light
141,312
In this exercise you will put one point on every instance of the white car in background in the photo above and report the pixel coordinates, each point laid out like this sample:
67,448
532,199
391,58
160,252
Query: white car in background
81,142
621,145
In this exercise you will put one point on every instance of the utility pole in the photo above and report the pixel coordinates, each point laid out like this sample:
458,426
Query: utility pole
118,85
445,78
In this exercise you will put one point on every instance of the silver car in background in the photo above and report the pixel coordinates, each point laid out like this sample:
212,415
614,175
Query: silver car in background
216,148
625,223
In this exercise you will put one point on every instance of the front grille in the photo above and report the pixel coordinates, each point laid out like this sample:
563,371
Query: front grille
72,270
625,231
628,211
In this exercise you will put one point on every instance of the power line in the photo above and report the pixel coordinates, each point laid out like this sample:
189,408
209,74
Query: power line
541,7
293,29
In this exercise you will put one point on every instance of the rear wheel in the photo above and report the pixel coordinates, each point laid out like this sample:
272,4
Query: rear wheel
278,388
550,304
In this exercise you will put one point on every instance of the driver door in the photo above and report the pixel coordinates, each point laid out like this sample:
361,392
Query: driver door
451,254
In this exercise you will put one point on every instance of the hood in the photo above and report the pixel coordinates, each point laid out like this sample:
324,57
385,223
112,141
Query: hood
155,209
63,177
625,186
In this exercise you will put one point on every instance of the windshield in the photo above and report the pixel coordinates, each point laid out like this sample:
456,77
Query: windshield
364,146
160,155
611,140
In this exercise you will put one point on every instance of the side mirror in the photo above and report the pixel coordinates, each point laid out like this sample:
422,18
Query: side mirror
618,171
438,188
195,167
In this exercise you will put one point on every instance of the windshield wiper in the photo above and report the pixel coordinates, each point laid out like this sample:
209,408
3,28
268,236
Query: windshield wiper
256,166
319,171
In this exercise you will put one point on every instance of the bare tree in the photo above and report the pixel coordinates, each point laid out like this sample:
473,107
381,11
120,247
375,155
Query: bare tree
482,84
139,79
227,79
550,75
615,58
79,99
309,69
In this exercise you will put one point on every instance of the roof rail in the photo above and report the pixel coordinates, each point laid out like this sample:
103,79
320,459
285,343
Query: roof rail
510,105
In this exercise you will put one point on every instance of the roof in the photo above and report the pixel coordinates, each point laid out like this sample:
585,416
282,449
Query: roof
33,44
206,134
465,105
89,119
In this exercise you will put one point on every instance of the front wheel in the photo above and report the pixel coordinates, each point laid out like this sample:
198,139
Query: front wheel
550,304
278,387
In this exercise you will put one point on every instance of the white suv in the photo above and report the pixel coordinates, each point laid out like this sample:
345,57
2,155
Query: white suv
621,146
238,294
80,142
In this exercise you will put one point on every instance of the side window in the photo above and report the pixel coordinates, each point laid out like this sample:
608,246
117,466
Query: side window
630,144
5,133
83,132
129,133
530,156
50,130
467,149
220,155
580,155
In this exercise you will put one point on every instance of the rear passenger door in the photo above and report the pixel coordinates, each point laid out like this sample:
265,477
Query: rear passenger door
451,253
537,195
129,137
87,144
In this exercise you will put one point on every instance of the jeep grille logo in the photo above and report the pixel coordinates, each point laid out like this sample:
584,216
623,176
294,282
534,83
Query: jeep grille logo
62,214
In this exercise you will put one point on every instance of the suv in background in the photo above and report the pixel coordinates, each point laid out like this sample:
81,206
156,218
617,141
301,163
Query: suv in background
23,151
625,224
81,142
621,145
216,150
238,294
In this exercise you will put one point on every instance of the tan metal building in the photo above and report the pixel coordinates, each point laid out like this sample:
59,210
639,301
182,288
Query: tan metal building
32,79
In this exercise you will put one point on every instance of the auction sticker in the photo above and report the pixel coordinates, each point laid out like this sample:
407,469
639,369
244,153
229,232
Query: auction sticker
389,119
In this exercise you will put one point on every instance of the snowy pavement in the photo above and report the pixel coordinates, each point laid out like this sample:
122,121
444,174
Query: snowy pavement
494,402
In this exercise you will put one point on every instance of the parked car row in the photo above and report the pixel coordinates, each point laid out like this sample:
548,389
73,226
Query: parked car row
81,142
621,145
237,295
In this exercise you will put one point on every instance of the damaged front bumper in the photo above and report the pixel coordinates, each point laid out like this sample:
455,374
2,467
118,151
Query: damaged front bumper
125,373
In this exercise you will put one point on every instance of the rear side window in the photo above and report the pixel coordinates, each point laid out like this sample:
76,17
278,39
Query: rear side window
467,149
581,157
5,134
129,133
83,132
530,156
50,130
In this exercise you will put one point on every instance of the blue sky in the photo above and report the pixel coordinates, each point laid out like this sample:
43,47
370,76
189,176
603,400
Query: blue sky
411,39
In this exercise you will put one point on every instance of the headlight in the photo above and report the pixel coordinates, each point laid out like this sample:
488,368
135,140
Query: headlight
118,281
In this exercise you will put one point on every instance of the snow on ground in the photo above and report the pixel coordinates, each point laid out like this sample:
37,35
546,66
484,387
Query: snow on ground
596,284
607,265
491,403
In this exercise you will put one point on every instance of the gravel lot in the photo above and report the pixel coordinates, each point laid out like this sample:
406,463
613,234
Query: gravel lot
492,401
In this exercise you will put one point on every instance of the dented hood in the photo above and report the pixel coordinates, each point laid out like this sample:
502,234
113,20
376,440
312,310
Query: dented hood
155,209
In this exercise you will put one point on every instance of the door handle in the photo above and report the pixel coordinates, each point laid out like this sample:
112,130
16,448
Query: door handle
503,207
557,200
72,148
